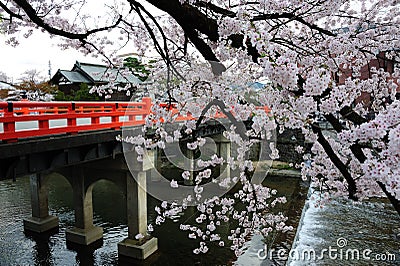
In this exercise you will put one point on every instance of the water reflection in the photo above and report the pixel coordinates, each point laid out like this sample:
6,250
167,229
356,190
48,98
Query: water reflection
85,254
42,252
371,225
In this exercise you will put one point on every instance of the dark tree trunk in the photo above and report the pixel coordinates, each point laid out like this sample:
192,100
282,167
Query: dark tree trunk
356,149
337,162
395,202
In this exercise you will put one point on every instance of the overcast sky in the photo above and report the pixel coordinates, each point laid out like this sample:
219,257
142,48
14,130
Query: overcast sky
35,53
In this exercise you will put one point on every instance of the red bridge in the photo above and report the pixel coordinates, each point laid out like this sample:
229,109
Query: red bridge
78,141
41,136
34,119
48,118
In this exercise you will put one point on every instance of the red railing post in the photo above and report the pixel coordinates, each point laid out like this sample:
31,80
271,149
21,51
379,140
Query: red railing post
43,124
25,110
9,127
131,118
127,112
95,120
115,116
146,106
71,120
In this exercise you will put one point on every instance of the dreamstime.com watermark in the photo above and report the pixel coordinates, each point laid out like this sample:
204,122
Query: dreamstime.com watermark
338,252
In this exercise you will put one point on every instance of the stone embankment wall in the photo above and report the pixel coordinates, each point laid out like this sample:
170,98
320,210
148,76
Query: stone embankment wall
286,144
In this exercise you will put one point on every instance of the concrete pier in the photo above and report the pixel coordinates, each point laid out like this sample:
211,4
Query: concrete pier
224,151
40,221
84,232
189,166
131,177
137,219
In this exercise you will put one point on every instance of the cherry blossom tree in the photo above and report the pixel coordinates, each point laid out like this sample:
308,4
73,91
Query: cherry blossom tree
4,85
32,86
4,78
319,58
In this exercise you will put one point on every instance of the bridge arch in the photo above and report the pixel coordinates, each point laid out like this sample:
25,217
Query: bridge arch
85,179
112,208
60,191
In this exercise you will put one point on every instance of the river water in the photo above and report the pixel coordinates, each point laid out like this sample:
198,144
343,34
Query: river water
346,233
371,225
19,248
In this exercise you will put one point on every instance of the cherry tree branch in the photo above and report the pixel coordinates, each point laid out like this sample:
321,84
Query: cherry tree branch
294,17
33,16
8,11
395,202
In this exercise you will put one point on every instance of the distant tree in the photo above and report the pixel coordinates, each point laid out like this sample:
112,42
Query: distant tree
35,86
33,81
31,86
139,69
32,75
5,83
3,77
3,93
40,87
5,80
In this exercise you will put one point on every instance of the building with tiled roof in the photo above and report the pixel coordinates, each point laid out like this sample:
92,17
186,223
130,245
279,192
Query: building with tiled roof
95,75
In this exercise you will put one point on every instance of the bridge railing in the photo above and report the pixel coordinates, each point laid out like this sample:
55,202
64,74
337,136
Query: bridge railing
34,119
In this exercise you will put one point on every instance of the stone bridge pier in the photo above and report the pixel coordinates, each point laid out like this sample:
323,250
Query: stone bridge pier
130,177
82,179
40,221
216,144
